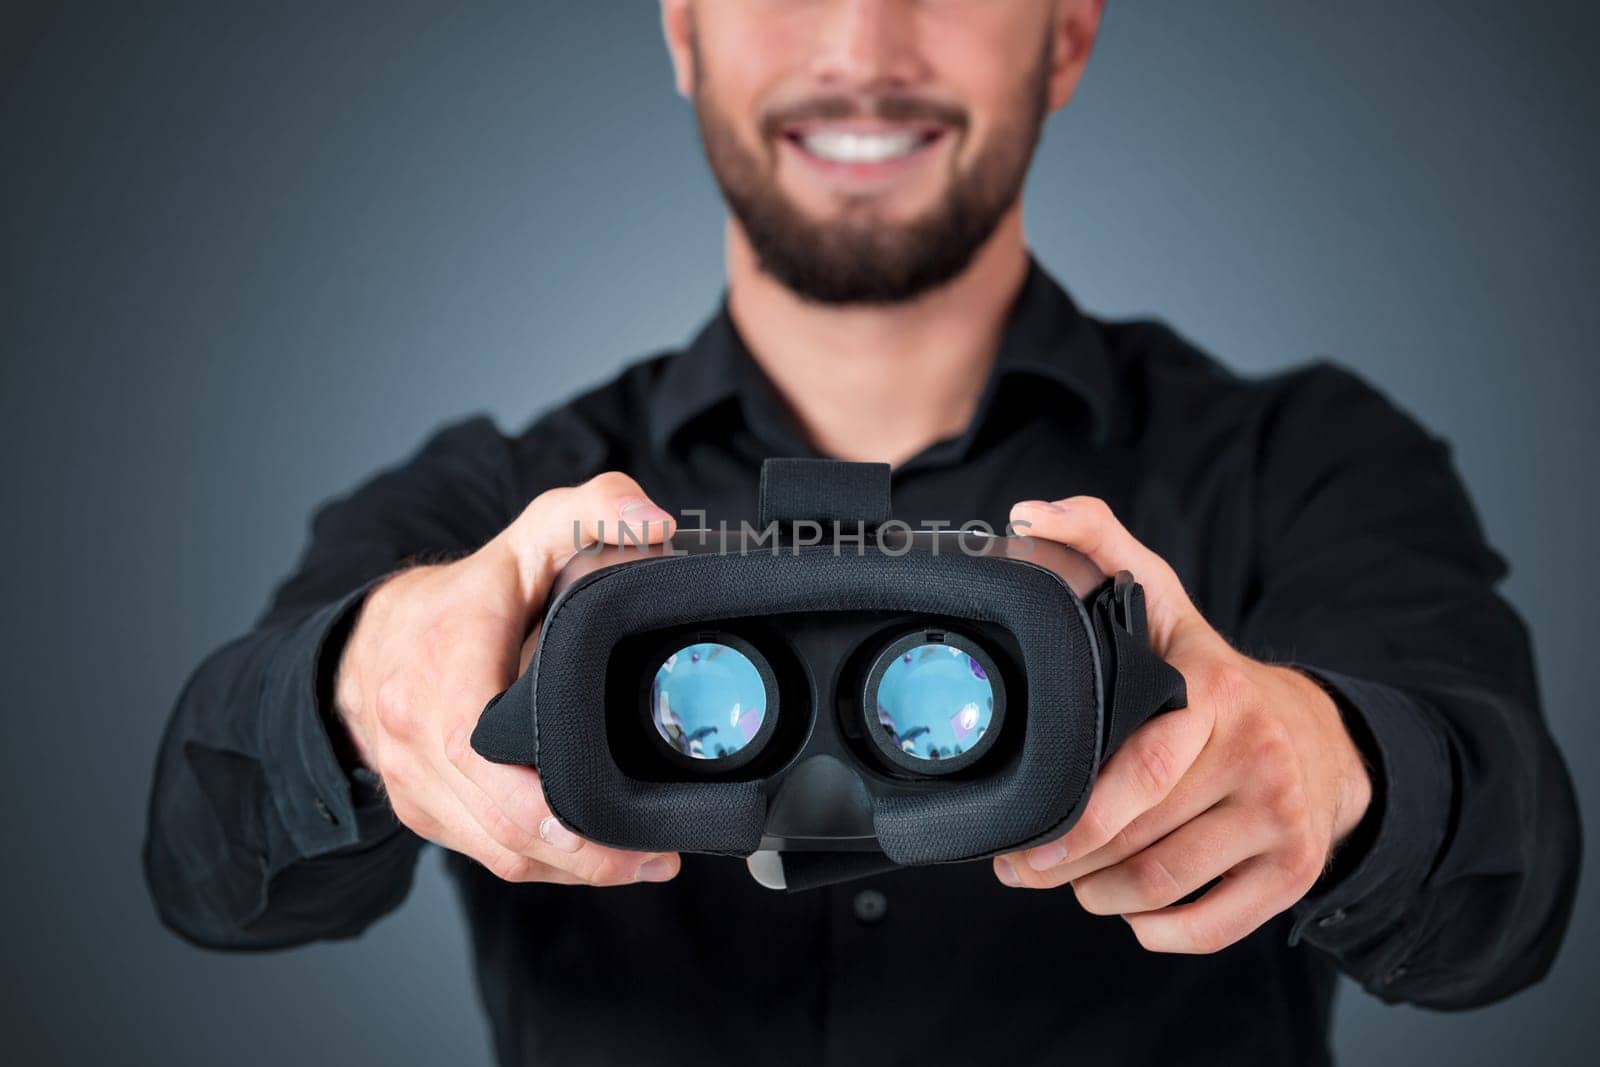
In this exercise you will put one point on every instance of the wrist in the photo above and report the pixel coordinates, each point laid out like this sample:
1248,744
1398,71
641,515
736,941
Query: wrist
350,670
345,693
332,684
1348,772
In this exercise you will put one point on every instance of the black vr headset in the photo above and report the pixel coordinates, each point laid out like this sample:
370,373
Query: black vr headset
831,693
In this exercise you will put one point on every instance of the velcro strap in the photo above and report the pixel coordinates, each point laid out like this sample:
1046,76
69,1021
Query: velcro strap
824,491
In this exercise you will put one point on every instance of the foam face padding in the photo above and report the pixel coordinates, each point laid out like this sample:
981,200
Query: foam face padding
956,819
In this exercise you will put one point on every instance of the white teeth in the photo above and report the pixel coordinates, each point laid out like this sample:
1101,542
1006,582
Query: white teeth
841,147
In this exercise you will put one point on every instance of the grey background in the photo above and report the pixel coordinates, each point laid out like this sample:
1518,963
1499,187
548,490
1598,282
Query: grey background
250,255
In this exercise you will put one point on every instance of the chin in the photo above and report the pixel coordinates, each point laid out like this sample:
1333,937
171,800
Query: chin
867,214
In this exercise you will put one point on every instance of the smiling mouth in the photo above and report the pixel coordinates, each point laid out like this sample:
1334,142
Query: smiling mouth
858,147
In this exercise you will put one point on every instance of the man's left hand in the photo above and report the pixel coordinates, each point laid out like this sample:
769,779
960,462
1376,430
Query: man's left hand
1254,783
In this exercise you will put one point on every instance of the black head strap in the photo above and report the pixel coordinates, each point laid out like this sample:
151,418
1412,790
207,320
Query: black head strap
1138,683
824,491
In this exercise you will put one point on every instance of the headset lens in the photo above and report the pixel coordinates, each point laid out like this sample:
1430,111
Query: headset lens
708,701
935,701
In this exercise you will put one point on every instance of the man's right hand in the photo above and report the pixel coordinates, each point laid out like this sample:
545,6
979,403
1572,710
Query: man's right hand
433,644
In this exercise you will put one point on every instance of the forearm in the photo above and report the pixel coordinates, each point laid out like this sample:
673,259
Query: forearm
257,835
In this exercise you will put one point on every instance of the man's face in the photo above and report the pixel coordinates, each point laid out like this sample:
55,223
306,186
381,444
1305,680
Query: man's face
868,148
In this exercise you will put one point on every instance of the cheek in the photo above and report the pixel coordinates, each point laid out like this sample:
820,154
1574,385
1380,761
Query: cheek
744,60
989,61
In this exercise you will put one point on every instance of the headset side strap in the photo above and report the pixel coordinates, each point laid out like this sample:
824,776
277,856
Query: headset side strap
1138,684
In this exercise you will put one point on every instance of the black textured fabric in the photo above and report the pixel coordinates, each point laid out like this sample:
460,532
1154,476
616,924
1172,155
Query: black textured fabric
505,732
1042,789
729,818
1139,684
825,491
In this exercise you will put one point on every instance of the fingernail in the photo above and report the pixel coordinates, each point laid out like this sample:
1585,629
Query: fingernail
1042,505
654,869
557,836
1007,873
1046,856
638,512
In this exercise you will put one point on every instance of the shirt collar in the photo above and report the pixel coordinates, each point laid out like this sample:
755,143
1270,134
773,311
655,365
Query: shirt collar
1045,339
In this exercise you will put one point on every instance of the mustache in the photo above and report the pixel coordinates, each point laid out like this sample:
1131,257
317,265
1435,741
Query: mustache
887,107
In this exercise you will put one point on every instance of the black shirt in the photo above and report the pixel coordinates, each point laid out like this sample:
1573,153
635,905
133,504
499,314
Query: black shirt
1313,523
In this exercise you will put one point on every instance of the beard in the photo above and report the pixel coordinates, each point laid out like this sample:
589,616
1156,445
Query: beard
858,258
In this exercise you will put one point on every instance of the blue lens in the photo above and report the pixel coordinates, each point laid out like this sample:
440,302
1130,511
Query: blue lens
708,701
935,702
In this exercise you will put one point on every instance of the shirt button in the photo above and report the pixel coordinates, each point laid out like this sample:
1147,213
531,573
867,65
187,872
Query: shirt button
1333,918
326,812
869,906
1396,973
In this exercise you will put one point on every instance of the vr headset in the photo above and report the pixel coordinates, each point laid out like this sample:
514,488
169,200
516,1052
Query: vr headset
832,693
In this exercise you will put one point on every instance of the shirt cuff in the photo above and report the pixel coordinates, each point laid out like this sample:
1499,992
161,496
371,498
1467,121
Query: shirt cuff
323,805
1358,914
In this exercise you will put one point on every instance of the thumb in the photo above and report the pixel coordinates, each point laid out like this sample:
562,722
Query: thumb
556,525
1087,525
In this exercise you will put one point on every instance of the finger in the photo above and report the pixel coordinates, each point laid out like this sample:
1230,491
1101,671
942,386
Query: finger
553,844
609,508
424,806
1214,778
506,801
1247,897
459,832
1177,865
1138,777
1196,794
469,677
509,803
1087,525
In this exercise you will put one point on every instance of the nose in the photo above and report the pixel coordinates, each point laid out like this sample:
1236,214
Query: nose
869,45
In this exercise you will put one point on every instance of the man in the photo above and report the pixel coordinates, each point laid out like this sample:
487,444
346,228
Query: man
1362,780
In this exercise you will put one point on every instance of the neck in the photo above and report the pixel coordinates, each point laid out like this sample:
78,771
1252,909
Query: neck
880,383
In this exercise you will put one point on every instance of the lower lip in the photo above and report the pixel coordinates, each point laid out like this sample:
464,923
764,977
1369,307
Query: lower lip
863,172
